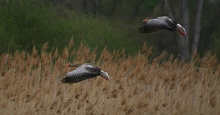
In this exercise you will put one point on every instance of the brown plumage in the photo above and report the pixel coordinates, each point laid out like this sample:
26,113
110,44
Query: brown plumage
83,72
152,25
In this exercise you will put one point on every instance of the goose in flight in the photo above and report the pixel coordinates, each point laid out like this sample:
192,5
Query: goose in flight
83,72
152,25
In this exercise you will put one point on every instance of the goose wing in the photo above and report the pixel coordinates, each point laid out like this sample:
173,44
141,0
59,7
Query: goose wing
78,75
156,25
147,30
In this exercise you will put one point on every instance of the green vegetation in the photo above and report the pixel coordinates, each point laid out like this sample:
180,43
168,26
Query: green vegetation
34,46
110,23
24,24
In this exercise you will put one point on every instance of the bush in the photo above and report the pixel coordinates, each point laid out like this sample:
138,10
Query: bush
26,23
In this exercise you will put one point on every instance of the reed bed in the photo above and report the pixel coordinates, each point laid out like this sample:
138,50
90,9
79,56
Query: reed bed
30,84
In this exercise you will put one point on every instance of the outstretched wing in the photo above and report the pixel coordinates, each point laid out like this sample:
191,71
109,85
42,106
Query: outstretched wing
155,25
146,30
77,76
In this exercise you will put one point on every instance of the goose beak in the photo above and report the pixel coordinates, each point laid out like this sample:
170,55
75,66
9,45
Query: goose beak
181,30
104,75
107,78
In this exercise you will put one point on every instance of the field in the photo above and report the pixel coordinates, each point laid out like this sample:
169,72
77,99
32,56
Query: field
30,84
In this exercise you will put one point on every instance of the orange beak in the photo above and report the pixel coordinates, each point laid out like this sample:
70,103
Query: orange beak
182,33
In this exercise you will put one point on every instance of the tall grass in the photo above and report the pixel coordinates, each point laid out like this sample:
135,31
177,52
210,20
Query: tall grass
30,84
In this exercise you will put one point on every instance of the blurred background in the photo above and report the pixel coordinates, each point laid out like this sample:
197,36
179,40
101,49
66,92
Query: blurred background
109,23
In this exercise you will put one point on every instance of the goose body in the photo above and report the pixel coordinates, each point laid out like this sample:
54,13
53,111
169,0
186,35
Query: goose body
83,72
152,25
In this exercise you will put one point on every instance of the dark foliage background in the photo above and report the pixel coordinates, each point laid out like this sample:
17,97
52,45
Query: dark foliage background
101,23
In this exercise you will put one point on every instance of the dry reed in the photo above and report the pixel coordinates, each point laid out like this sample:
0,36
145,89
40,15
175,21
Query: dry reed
30,84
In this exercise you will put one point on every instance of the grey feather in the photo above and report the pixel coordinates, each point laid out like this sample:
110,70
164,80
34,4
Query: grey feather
83,72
